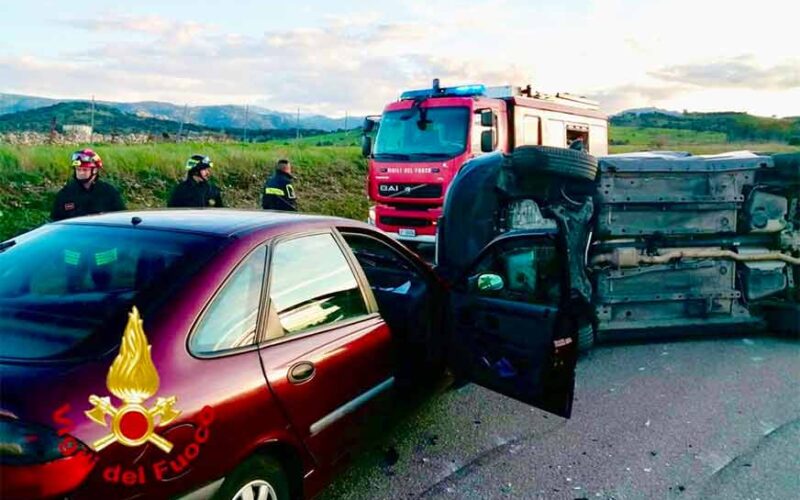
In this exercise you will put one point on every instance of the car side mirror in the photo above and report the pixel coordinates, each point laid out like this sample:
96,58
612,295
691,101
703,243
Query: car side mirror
487,118
490,283
369,125
366,146
488,140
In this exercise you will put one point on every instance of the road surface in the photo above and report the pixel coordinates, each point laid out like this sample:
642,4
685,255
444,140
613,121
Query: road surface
716,418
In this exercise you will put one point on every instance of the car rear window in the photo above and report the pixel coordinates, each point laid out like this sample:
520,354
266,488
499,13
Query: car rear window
65,290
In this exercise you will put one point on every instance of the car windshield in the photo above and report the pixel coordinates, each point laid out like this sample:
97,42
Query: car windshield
65,290
401,138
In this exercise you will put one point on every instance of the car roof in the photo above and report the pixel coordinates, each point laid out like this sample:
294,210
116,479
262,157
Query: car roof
218,221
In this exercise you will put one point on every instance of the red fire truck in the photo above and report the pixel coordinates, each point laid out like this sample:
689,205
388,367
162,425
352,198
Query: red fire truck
425,137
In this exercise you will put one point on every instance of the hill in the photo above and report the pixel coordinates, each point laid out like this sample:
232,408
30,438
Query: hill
229,116
641,111
217,117
232,119
735,126
110,120
12,103
107,120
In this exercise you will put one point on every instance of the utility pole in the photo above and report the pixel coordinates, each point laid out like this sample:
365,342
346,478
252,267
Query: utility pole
183,119
297,126
346,116
246,109
91,133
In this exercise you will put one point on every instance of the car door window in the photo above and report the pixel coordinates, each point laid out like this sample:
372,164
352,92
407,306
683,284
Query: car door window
531,273
230,320
386,268
311,285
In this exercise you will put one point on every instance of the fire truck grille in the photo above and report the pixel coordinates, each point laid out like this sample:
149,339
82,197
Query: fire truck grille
410,190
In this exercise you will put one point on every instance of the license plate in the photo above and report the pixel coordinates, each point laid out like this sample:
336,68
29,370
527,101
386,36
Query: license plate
407,232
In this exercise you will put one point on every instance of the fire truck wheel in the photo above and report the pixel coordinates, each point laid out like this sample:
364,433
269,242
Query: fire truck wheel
559,161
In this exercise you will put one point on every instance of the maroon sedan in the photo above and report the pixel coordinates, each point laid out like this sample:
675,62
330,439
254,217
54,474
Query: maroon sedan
233,354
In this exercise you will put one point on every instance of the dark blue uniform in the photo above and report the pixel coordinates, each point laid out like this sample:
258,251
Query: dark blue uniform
193,194
279,193
74,200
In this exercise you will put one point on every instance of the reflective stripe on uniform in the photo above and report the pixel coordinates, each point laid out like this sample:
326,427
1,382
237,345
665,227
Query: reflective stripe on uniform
107,257
71,257
275,191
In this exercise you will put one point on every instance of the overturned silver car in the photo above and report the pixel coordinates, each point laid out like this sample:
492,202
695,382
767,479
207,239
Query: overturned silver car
658,243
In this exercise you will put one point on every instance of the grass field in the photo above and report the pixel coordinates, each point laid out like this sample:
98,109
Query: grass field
330,179
330,170
627,139
654,137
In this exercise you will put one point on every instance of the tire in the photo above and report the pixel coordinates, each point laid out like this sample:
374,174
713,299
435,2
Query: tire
265,471
559,161
586,339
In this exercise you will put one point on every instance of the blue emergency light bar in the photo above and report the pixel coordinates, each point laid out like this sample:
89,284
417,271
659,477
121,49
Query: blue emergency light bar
436,91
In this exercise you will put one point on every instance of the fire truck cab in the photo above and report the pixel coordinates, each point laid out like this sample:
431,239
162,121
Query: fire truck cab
427,135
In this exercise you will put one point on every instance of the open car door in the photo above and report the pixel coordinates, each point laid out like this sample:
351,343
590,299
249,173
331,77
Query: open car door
513,325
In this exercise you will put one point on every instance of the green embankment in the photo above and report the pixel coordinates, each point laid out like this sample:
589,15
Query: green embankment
330,179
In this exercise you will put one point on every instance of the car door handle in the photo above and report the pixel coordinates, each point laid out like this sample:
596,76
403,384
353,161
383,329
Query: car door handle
301,372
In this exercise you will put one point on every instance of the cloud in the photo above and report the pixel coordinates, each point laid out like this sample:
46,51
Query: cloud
740,72
154,25
623,97
331,69
611,51
341,66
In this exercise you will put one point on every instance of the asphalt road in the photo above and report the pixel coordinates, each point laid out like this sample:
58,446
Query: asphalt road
687,419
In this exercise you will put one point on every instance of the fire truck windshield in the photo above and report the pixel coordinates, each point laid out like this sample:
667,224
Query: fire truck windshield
401,138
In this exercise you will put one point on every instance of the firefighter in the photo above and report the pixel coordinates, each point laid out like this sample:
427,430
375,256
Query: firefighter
577,144
196,191
278,192
85,193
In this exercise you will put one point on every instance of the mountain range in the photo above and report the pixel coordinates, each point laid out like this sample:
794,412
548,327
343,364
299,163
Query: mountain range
20,113
215,117
112,121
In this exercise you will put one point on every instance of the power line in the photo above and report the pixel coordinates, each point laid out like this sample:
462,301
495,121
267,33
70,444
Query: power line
91,126
246,117
183,119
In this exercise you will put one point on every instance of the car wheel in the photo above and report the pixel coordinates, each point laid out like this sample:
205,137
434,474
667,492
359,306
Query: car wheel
585,339
559,161
257,478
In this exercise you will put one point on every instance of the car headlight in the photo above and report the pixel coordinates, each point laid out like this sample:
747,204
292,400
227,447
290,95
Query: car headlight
371,216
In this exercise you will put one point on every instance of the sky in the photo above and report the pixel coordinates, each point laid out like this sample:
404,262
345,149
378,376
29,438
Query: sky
355,56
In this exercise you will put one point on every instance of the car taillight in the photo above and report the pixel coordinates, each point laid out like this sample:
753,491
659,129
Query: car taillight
35,462
24,443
